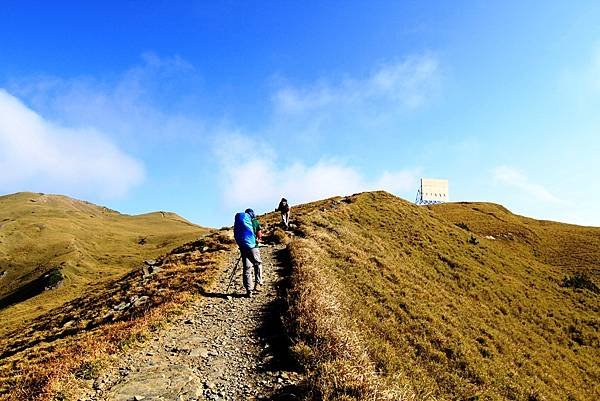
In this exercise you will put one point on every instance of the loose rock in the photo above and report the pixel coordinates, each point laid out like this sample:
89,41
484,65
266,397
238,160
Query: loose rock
211,353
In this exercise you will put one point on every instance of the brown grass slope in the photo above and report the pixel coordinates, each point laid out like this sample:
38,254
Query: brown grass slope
45,359
395,301
79,242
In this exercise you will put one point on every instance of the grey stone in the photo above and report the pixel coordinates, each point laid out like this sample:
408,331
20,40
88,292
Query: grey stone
210,352
140,300
155,269
122,306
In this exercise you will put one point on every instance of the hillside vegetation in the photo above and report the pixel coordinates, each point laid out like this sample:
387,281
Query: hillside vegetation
109,294
45,359
387,300
52,241
455,301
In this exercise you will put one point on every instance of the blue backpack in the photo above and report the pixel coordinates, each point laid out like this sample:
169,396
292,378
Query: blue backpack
243,231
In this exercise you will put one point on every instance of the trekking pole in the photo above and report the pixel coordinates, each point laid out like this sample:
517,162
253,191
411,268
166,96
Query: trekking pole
233,273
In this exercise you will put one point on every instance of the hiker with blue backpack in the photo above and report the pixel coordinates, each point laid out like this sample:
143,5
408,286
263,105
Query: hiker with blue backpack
246,231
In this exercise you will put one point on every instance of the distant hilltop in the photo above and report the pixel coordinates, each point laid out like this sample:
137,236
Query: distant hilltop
75,241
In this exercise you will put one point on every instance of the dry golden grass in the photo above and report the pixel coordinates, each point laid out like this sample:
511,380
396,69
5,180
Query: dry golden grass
389,301
388,292
86,243
40,361
328,344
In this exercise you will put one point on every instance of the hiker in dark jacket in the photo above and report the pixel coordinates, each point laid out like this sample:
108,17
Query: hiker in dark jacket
284,209
245,237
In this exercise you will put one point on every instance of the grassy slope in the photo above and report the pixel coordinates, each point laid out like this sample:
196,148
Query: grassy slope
441,316
43,360
88,243
105,303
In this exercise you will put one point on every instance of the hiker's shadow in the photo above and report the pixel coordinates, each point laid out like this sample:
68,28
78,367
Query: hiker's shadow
271,331
273,336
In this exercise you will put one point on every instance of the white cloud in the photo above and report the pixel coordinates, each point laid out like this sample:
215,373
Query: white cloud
397,181
407,84
132,105
252,175
514,178
38,155
157,108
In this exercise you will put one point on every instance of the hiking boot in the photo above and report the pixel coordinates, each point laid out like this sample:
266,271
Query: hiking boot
249,294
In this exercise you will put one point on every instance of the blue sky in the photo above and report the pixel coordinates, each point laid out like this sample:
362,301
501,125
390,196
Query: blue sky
206,109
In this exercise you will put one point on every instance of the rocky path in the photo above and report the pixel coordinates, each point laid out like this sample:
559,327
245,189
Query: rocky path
227,347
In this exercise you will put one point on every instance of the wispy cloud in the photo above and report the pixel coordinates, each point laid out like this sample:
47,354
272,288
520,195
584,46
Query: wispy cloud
151,101
158,104
252,172
37,154
252,175
514,178
405,84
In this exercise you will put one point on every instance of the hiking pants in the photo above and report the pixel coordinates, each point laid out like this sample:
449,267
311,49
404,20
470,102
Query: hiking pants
285,218
250,259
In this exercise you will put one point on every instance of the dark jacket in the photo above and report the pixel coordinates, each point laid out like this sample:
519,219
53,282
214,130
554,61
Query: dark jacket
283,207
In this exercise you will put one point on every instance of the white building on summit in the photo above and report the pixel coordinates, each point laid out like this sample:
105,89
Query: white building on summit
432,191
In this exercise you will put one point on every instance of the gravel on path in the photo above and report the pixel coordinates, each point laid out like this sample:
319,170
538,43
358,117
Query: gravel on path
226,347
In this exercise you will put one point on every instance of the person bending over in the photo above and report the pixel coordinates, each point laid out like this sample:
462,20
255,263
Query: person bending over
245,237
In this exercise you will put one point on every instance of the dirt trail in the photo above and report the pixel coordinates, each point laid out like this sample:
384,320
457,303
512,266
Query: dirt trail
226,347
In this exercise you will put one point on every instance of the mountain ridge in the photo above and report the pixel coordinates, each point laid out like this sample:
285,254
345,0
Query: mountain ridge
83,242
444,302
387,300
